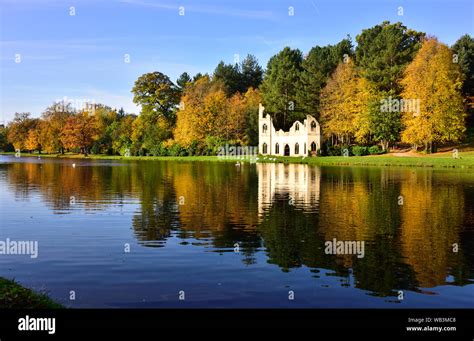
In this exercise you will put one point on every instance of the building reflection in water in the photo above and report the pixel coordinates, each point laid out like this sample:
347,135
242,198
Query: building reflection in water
300,183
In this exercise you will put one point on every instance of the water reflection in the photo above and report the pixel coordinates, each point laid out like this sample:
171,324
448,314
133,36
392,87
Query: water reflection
409,219
300,183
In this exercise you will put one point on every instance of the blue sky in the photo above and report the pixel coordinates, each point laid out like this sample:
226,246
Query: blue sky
82,57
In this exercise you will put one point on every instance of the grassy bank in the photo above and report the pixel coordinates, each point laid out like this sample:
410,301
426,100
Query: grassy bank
118,157
438,160
14,296
443,160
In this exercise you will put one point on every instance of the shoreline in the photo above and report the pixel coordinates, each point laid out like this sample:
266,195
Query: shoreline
439,160
15,296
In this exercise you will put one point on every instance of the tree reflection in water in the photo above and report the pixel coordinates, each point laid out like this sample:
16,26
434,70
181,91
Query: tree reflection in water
285,211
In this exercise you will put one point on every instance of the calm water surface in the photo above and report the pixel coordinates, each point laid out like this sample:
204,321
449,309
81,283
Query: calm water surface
232,236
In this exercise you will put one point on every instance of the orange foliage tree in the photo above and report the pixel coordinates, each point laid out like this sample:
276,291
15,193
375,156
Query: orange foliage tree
80,132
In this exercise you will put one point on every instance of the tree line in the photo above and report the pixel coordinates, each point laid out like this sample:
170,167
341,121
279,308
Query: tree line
396,85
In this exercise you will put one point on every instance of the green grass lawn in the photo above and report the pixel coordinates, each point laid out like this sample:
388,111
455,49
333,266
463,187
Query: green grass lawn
442,160
14,296
118,157
438,160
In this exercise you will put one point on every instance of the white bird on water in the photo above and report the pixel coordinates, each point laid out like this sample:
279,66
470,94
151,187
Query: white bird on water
237,164
73,165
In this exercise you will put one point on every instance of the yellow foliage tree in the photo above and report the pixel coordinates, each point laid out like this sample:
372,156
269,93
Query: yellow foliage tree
435,81
32,141
214,116
205,111
344,104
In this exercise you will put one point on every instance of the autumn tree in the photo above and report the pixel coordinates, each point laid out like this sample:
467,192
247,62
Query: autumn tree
32,141
343,102
434,80
201,102
19,128
53,120
80,132
280,85
235,124
208,113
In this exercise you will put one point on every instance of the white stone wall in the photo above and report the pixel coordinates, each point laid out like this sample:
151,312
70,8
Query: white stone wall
304,136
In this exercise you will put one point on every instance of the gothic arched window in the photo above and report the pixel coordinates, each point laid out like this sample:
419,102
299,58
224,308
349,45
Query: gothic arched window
264,148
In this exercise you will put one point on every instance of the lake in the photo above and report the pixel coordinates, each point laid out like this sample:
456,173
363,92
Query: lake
151,234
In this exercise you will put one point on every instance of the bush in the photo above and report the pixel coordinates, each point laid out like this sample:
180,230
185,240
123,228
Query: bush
95,149
176,150
212,145
124,149
193,148
338,150
333,151
159,150
360,150
374,150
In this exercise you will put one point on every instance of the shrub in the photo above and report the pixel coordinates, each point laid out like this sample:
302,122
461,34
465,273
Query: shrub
360,150
333,151
123,150
95,149
337,150
193,148
212,145
159,150
374,150
176,150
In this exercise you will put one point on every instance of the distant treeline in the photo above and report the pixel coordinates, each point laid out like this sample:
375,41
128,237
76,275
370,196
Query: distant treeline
396,86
